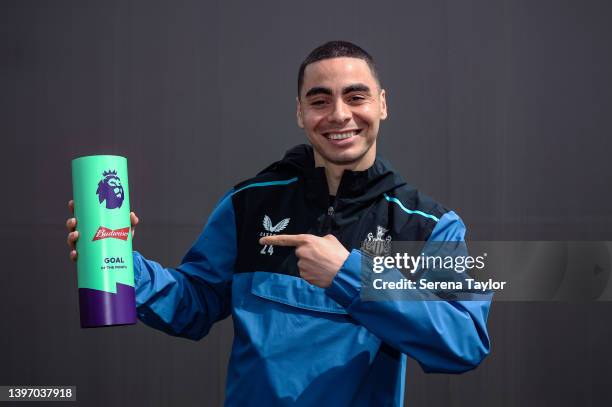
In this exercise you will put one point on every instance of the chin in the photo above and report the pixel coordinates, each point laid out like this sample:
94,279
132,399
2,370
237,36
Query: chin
343,159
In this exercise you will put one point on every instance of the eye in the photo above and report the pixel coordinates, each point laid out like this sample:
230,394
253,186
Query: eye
317,103
356,98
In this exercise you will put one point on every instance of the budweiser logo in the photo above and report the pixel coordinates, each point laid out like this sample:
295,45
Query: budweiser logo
105,233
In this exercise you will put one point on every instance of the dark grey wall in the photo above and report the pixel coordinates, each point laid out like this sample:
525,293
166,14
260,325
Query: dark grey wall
498,109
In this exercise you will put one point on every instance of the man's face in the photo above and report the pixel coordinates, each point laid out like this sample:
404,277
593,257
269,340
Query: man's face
340,107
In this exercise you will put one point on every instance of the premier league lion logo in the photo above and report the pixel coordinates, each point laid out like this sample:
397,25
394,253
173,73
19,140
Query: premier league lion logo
110,190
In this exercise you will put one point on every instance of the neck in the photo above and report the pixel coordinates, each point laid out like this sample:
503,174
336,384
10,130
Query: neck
334,171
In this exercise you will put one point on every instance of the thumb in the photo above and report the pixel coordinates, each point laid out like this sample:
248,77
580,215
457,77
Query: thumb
134,221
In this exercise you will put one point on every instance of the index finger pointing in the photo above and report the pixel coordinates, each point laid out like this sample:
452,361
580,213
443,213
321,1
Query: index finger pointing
284,240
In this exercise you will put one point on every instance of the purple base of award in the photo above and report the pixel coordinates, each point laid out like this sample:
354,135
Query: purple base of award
101,308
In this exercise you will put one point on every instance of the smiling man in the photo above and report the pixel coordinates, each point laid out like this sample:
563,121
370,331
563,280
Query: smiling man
282,253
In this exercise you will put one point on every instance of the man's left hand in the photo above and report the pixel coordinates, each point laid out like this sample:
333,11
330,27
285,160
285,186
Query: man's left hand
319,258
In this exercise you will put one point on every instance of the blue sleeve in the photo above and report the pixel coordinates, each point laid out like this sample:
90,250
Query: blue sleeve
186,300
443,336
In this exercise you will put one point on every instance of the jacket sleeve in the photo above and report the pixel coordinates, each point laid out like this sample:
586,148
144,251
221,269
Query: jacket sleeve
443,336
185,301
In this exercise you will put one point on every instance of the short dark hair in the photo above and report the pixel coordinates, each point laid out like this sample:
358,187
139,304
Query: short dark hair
336,49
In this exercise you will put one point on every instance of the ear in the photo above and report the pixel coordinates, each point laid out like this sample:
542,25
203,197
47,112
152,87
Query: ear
298,113
383,105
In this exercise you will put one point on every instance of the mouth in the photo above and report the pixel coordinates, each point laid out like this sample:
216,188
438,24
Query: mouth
341,135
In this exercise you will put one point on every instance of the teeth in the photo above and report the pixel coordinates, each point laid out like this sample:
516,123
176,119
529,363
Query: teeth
340,136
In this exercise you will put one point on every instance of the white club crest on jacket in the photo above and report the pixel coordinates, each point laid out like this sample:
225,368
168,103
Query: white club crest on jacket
376,246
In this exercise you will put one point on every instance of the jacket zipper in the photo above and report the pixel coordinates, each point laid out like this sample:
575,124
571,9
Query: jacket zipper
331,211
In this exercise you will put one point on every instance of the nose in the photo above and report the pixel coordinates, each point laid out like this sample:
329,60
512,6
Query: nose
340,112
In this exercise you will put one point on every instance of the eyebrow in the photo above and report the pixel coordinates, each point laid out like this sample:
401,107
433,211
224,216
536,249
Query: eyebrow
358,87
319,90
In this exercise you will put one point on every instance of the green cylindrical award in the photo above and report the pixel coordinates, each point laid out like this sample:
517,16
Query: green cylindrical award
104,263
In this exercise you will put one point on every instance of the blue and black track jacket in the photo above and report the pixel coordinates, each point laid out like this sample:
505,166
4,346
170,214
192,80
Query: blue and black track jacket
295,343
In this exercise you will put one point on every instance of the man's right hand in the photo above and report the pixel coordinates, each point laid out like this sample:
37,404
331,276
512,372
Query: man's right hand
73,234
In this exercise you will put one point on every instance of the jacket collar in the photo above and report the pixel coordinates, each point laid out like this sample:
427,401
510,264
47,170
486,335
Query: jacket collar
356,187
